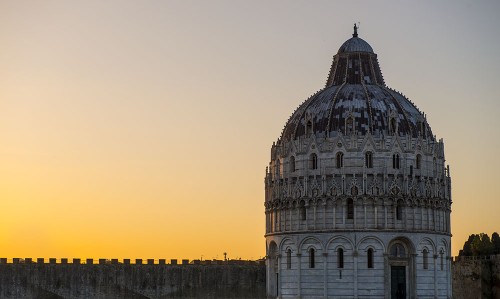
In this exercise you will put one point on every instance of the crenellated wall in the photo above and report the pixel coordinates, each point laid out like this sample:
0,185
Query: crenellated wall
111,279
476,277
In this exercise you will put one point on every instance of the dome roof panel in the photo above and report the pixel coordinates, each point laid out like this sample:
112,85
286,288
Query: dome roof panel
355,44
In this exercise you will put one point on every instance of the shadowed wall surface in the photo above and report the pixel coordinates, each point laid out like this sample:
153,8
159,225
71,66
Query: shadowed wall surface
131,281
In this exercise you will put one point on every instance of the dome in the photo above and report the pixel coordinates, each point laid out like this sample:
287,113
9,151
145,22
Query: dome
357,194
355,44
356,100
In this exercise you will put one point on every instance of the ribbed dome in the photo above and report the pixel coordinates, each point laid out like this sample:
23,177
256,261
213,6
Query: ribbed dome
356,100
355,44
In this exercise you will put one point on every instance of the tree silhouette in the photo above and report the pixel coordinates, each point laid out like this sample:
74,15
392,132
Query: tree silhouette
481,244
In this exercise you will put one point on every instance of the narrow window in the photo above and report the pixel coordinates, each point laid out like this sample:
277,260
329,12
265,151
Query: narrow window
303,214
340,258
309,128
340,160
426,259
411,170
349,126
370,258
392,126
289,259
311,258
419,161
350,209
369,160
395,161
292,164
399,211
313,161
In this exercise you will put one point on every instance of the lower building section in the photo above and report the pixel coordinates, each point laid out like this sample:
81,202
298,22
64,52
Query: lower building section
358,265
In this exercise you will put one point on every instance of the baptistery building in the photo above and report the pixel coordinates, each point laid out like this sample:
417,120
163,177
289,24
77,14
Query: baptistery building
357,194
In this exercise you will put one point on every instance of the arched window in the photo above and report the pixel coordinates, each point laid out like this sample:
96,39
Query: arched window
313,161
395,161
411,170
292,164
418,162
340,160
350,209
311,258
289,259
392,126
309,128
426,259
399,210
370,258
340,258
398,250
303,213
369,160
349,126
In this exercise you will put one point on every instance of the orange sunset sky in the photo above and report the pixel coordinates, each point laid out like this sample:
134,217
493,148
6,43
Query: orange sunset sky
142,129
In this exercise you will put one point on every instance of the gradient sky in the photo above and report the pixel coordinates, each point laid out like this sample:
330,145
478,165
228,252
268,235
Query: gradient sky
142,129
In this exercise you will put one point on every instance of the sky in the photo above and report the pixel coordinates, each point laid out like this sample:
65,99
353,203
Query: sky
142,129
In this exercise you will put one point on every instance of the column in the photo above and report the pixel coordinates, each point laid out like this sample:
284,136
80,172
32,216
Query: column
334,212
355,258
325,277
435,275
299,266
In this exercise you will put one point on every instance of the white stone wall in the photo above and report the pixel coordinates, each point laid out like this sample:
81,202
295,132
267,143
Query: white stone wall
355,279
422,195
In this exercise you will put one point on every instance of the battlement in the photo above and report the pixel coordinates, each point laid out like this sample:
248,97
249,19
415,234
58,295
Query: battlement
114,261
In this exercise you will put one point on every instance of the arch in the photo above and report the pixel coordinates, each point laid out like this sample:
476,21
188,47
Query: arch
401,239
283,243
340,238
418,162
430,242
272,249
313,161
301,244
380,242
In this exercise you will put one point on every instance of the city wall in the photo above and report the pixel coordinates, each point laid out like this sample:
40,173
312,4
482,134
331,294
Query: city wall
476,277
473,278
114,279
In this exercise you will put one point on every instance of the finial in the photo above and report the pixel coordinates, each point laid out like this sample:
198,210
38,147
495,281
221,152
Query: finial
355,34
